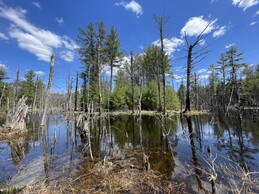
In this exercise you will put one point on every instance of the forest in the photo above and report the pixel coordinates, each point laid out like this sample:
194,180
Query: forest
134,122
142,82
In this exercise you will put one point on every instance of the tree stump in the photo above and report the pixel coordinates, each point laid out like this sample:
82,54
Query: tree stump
146,164
17,119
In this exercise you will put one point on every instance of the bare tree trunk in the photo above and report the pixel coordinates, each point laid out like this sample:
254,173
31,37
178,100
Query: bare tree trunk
110,88
161,22
158,84
132,82
16,88
141,93
34,99
2,94
189,68
7,111
99,77
69,94
76,92
51,72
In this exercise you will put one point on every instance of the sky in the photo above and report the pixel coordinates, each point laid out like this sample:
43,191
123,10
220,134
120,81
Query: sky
31,30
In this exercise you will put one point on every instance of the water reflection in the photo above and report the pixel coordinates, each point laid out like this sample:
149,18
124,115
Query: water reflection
169,143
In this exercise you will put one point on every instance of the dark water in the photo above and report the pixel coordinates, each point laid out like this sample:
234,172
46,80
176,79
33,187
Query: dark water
180,149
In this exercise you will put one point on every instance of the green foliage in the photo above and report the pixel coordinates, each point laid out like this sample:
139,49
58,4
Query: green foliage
28,86
150,96
250,89
172,100
118,97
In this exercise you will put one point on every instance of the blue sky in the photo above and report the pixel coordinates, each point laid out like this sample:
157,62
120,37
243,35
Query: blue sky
31,30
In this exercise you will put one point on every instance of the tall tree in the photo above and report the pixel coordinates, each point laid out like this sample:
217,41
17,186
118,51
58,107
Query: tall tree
46,104
28,86
233,61
161,23
113,55
222,68
76,93
87,41
193,58
132,81
92,54
100,59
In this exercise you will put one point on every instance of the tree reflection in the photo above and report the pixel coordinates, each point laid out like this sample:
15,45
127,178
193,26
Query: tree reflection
197,168
17,152
45,154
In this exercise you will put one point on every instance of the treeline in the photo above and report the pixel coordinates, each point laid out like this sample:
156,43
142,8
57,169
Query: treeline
30,86
110,80
231,83
139,82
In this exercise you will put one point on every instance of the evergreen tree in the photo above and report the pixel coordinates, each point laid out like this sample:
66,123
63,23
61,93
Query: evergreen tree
233,61
28,87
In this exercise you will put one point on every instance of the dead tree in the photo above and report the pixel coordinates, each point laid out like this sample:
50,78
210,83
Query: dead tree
132,81
17,120
161,23
141,86
16,87
51,72
2,94
192,59
76,92
69,94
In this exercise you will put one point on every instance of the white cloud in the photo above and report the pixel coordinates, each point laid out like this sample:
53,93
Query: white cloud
39,73
196,25
227,46
60,21
202,71
3,36
212,1
107,71
67,56
3,66
256,13
204,76
245,3
32,44
36,4
69,43
131,6
202,42
37,41
219,32
253,23
170,45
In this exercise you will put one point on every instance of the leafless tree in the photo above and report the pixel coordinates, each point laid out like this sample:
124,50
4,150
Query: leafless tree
192,59
161,22
51,72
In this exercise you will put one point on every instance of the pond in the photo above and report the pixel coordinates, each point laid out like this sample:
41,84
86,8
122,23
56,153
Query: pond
185,150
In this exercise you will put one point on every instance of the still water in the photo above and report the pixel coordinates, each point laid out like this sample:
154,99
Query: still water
180,149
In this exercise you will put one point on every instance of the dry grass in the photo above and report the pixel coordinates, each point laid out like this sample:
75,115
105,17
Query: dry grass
109,176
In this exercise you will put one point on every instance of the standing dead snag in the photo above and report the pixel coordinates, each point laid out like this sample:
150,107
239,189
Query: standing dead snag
191,57
51,72
161,23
